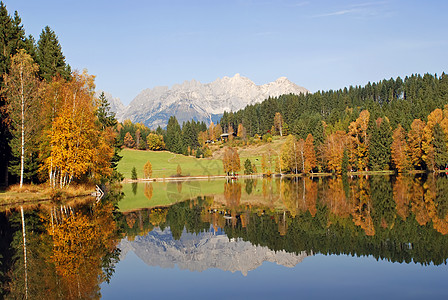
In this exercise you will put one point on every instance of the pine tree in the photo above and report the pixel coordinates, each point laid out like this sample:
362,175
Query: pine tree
379,145
134,174
248,169
49,56
105,116
108,125
173,139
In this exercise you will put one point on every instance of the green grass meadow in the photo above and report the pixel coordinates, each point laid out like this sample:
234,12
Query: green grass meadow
164,164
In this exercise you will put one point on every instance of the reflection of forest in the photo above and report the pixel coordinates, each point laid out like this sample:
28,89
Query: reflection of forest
66,252
401,219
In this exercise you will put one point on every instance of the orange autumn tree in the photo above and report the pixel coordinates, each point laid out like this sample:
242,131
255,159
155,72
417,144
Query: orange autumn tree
278,123
357,133
400,150
231,161
434,143
77,146
415,143
309,154
333,150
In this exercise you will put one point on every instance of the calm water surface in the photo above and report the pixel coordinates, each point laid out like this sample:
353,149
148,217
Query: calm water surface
343,238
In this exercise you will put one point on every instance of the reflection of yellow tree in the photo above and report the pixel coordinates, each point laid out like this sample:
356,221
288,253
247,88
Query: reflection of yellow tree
335,198
269,193
418,206
79,243
402,196
148,190
432,192
311,195
130,220
289,197
232,194
362,207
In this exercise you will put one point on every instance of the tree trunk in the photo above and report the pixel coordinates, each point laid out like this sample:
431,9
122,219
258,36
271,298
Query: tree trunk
24,252
22,155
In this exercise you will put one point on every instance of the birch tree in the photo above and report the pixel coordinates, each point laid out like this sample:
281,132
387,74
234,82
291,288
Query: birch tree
22,92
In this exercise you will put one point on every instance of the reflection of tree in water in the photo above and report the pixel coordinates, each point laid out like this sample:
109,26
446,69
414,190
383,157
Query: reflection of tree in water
182,190
299,195
148,190
378,216
134,187
250,184
362,206
402,195
384,213
232,194
335,198
71,249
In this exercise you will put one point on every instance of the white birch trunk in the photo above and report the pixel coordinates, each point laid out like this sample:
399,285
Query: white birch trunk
24,252
22,155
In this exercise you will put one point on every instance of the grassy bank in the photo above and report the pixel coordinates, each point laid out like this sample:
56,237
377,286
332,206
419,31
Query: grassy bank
34,193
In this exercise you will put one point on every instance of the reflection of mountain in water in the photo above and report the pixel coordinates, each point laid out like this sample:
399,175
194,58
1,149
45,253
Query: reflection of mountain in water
204,251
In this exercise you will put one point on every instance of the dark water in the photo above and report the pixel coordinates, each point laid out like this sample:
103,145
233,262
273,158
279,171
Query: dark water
343,238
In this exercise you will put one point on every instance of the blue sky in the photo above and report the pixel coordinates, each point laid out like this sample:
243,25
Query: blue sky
132,45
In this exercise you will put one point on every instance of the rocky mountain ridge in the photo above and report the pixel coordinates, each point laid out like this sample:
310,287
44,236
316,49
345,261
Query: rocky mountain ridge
204,251
202,102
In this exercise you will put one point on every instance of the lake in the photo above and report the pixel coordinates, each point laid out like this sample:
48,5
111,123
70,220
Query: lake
339,238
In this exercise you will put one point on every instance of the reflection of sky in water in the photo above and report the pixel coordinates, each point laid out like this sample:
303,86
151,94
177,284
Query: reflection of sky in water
341,277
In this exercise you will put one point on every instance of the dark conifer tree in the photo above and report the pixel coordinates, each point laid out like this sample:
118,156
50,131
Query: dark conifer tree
107,119
173,138
49,56
379,145
12,38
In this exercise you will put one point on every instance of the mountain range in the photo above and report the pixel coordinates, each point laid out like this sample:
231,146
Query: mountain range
201,102
199,252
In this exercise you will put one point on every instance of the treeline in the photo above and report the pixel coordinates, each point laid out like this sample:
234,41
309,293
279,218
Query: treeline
52,127
400,101
393,124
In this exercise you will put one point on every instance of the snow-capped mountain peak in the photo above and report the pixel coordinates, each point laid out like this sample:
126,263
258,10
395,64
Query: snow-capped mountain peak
195,100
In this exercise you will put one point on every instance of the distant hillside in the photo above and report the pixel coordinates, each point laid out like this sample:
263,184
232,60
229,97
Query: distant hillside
201,102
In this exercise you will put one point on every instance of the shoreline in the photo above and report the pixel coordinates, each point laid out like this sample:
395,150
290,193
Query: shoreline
254,176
